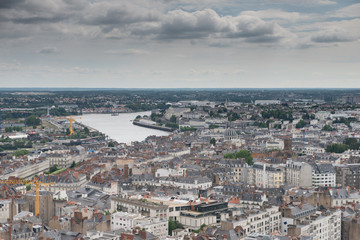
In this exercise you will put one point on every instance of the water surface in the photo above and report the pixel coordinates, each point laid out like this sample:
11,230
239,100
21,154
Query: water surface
119,128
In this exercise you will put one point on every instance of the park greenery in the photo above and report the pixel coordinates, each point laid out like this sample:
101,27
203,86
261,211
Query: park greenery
172,125
200,229
184,129
173,225
20,153
233,116
278,114
33,121
260,124
352,143
240,154
349,143
53,169
173,119
301,124
328,128
9,144
337,148
345,121
13,129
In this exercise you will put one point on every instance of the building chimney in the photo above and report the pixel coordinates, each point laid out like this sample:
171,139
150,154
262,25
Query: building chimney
126,171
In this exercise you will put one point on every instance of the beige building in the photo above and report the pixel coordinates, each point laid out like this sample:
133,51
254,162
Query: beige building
298,174
265,175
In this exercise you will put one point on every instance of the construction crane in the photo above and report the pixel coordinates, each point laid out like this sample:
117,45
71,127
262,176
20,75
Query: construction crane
37,183
72,120
37,202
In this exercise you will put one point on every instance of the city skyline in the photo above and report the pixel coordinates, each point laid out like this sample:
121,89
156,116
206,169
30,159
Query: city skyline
179,44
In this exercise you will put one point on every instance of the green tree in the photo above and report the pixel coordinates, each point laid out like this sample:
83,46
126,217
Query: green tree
301,124
327,128
73,164
8,129
111,144
336,148
173,225
229,155
184,129
245,154
28,187
20,153
173,119
53,169
172,125
212,126
213,141
33,121
86,130
260,124
352,143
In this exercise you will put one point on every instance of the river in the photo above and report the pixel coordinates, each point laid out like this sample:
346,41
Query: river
119,128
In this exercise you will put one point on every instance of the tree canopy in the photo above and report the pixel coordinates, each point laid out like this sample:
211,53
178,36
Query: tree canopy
241,154
301,124
336,148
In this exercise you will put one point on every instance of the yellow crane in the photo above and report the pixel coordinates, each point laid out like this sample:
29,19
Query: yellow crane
37,184
71,119
37,202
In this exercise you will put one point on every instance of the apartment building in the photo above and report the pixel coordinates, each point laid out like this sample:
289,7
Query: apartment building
60,160
266,220
144,207
265,175
323,175
4,210
298,174
326,225
348,176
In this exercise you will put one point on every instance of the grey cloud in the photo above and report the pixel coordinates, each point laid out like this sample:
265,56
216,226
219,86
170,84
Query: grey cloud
117,15
332,36
249,26
6,4
308,3
181,24
36,11
37,20
131,51
264,39
118,20
207,23
49,50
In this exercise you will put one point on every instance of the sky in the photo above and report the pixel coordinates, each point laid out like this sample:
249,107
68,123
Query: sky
180,43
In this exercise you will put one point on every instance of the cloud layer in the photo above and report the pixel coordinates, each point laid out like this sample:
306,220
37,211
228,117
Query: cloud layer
116,37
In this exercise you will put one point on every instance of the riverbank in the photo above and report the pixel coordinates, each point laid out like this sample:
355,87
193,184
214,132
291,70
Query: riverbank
120,128
161,128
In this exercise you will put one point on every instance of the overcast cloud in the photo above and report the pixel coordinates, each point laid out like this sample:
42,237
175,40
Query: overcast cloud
182,43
